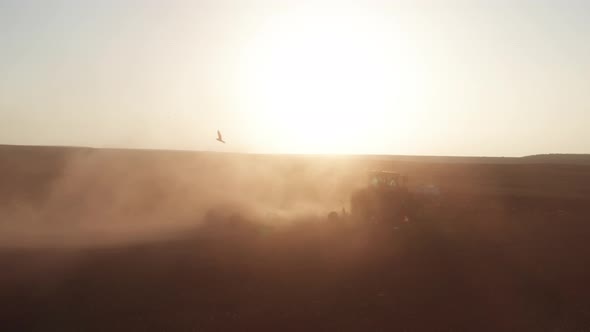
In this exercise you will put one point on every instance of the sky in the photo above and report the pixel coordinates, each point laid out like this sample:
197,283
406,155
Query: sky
473,78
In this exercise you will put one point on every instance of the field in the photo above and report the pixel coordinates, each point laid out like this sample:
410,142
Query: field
122,240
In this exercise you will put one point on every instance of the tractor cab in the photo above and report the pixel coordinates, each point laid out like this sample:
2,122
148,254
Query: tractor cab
386,180
385,198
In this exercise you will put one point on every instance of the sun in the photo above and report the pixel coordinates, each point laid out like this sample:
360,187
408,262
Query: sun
323,83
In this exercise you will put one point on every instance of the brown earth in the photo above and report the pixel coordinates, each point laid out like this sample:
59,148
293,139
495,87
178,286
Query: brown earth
121,240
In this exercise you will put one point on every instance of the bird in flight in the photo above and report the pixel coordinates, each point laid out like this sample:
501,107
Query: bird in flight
219,137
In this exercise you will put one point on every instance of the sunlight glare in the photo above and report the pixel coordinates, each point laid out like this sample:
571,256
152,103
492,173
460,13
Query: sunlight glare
325,84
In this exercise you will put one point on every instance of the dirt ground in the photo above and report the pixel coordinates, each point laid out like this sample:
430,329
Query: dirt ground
178,241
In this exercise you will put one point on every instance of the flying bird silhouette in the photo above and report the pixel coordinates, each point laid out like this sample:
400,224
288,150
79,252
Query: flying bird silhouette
219,137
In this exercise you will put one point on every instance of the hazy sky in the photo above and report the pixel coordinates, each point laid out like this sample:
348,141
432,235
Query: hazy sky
395,77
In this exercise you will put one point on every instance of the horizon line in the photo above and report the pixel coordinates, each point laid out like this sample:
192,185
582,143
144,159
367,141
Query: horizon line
290,154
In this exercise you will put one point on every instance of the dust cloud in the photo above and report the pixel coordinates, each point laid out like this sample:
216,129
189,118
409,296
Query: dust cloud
99,197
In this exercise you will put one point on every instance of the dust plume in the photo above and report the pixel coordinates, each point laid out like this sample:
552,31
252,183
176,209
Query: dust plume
117,196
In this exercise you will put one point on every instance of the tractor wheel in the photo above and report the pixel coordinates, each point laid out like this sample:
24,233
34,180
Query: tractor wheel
333,216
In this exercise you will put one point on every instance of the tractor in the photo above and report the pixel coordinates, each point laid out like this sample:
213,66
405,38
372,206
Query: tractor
386,199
